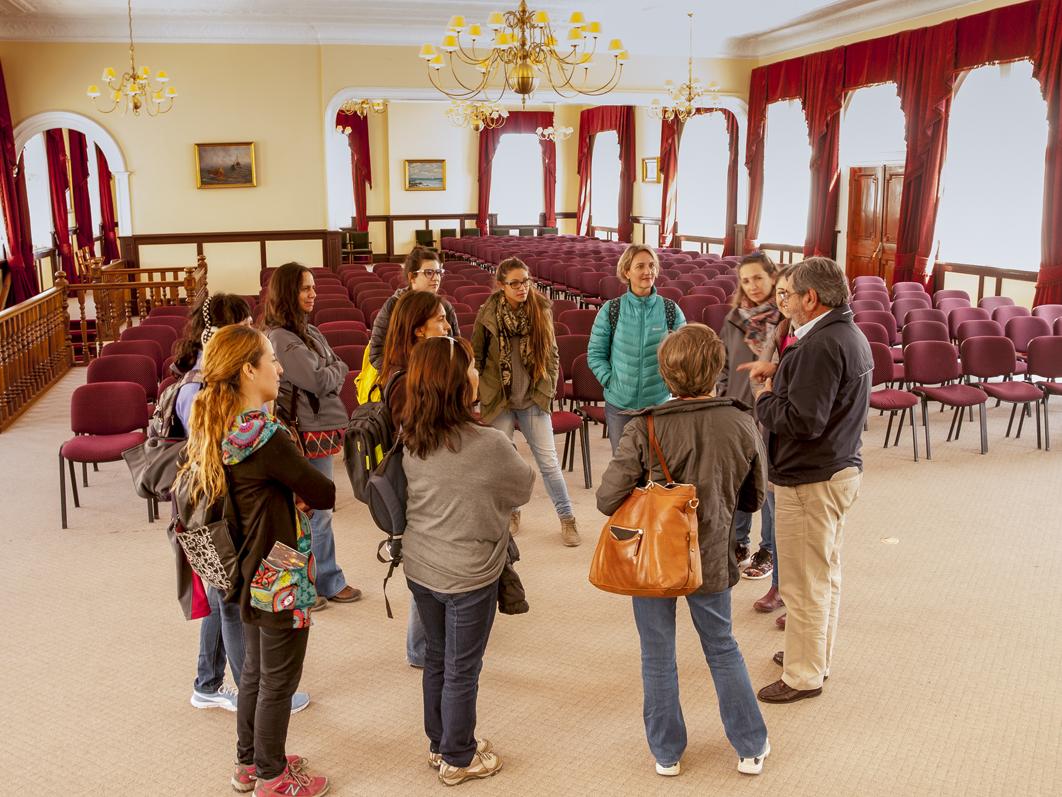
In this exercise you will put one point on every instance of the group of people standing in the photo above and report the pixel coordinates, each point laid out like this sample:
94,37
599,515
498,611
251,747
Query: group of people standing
779,399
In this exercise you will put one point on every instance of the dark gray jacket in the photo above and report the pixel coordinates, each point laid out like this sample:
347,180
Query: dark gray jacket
712,444
319,376
383,321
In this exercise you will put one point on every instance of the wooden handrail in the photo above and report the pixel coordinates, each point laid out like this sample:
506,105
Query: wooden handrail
427,218
983,273
35,349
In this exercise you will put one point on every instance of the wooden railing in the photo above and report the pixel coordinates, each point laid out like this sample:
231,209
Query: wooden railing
464,221
984,274
35,349
331,242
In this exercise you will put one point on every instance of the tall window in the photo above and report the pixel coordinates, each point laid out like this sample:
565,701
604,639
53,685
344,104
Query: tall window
704,153
605,180
991,203
872,128
35,163
786,175
516,180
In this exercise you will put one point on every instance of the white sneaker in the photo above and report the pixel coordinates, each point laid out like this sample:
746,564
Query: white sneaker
754,765
668,771
224,698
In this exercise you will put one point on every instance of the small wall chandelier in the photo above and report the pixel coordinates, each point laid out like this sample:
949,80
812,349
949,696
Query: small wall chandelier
360,107
521,49
554,133
135,90
477,115
684,97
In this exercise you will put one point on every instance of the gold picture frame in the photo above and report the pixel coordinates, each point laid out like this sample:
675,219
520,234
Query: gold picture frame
651,170
424,175
225,165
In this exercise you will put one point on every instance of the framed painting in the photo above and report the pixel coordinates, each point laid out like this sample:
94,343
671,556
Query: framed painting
424,175
225,165
650,170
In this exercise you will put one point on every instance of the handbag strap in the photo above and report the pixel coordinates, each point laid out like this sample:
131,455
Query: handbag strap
654,448
293,408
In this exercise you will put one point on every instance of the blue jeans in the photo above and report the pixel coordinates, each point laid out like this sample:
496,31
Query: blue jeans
664,726
457,627
416,643
616,423
220,636
743,523
330,578
538,431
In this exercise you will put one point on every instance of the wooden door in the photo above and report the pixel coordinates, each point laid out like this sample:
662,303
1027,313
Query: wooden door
890,220
873,220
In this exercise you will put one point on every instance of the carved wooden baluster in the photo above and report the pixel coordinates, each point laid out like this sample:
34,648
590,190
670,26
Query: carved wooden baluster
67,348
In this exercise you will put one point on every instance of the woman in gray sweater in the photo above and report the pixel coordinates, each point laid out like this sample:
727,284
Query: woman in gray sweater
463,481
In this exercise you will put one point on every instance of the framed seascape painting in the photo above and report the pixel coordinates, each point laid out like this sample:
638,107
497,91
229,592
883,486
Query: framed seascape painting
650,170
424,175
225,165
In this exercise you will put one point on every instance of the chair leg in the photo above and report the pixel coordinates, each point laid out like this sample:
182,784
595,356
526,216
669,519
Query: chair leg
925,424
96,467
1021,421
84,473
888,429
914,435
62,490
1038,438
151,511
1010,423
73,483
585,446
956,416
1047,428
899,426
984,427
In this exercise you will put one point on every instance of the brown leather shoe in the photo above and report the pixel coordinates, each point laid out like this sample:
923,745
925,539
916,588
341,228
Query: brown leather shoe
780,622
771,602
348,594
781,692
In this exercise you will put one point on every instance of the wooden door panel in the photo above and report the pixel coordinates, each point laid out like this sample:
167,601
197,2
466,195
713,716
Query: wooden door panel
890,219
864,220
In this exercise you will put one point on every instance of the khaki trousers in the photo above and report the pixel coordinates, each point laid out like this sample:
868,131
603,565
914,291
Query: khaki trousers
809,530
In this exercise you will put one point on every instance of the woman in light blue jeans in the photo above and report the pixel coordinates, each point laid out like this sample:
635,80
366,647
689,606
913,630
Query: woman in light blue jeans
516,354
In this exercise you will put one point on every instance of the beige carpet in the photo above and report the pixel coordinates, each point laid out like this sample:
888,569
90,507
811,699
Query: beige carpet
945,679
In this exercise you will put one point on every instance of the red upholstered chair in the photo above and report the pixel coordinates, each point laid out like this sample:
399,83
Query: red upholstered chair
466,319
977,327
926,314
890,400
568,423
693,306
165,383
348,393
990,303
176,323
352,355
674,294
135,368
932,363
164,336
715,316
879,296
148,348
466,290
887,320
902,306
106,418
559,306
340,314
330,289
861,305
1058,326
568,348
947,305
985,358
1005,312
335,326
710,290
1045,360
173,310
960,314
876,333
903,288
1048,312
580,322
612,287
1023,329
587,392
924,330
950,293
868,280
346,337
328,302
560,329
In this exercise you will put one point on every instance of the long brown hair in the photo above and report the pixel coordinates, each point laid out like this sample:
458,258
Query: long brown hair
282,302
537,310
439,396
412,310
216,406
213,312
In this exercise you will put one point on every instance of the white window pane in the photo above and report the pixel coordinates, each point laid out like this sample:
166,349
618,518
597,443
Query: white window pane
704,153
786,175
605,180
516,180
35,162
872,129
94,189
991,203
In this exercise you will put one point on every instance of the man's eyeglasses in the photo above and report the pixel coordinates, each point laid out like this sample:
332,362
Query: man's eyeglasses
783,296
431,273
514,284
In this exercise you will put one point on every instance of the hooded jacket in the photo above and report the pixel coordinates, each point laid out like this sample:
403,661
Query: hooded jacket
319,376
711,443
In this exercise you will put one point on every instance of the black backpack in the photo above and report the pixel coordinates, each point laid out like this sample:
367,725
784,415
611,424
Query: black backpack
153,464
670,315
369,436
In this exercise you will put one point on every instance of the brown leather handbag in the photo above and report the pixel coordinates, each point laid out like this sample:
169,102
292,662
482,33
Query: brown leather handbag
649,547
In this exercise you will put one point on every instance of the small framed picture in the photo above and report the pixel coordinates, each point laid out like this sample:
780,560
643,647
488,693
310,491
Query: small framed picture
650,170
225,165
424,175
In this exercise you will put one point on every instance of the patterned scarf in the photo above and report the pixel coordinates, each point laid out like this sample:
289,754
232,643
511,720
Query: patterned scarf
758,324
512,324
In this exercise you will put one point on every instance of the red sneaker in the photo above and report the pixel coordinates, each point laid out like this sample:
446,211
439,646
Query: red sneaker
244,776
292,783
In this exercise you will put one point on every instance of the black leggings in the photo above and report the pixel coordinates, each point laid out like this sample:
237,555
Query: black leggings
272,667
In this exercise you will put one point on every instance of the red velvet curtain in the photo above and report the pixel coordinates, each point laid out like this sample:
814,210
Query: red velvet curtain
822,98
108,225
925,81
598,120
1047,67
360,166
518,122
14,206
79,190
58,182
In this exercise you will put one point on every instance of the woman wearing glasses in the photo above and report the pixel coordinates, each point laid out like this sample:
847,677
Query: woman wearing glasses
424,273
516,354
463,480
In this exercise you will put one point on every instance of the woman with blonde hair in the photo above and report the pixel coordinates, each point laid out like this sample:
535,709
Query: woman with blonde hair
625,337
516,355
244,459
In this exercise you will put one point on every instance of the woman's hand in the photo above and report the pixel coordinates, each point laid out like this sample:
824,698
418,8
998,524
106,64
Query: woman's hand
759,371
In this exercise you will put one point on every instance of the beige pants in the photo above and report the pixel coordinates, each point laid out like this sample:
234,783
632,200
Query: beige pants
809,529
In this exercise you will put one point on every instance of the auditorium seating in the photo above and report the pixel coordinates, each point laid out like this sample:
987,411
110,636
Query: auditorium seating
985,358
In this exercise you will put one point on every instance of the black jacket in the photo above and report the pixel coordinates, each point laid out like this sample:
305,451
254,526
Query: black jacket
815,414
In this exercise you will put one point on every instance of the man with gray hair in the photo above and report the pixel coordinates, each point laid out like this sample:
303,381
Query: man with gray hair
814,414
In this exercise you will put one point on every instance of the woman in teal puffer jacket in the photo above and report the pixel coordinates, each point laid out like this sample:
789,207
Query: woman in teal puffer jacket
623,358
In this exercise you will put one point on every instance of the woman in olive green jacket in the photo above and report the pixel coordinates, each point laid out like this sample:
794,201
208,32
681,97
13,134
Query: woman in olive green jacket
516,354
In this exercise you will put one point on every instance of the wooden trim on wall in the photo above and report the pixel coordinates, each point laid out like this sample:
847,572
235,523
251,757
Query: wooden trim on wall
330,249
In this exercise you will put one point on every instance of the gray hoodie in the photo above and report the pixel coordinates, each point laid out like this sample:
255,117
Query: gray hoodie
319,376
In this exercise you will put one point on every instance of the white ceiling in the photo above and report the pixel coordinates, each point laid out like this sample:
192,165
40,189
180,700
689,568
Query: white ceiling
747,28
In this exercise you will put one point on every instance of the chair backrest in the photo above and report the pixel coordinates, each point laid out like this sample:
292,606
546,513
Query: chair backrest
612,287
859,305
883,317
177,323
1005,312
930,362
959,314
164,336
874,333
176,311
924,330
346,337
882,363
106,408
448,232
136,368
585,386
926,314
352,355
332,300
947,305
559,306
424,238
710,290
1049,312
693,305
1023,329
987,356
899,288
148,348
580,322
560,329
868,280
1045,357
902,306
990,303
338,325
714,315
977,327
466,318
950,293
339,314
674,294
568,348
874,295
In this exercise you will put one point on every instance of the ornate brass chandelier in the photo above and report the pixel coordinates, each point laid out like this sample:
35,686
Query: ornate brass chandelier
476,115
135,90
360,107
683,97
552,133
520,51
